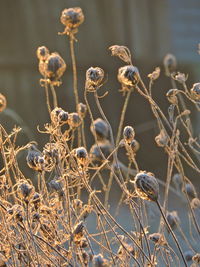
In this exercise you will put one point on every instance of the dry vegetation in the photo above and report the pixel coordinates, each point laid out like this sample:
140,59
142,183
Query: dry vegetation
45,223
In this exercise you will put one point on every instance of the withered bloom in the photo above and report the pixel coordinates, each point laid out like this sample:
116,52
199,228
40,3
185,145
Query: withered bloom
122,52
74,120
94,78
171,96
100,128
128,76
42,53
195,91
128,134
82,110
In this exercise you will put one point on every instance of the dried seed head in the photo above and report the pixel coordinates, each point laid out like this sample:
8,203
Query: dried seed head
100,261
122,52
179,77
74,120
81,155
170,64
72,18
195,203
134,145
158,239
128,134
56,184
177,180
190,190
146,186
171,96
100,128
3,102
78,231
188,255
59,116
196,258
162,139
195,91
36,200
35,159
42,53
155,74
94,78
25,191
95,151
128,76
173,219
82,110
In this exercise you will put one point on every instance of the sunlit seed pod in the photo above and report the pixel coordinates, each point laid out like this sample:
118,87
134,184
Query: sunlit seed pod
72,17
180,77
122,52
162,139
42,53
100,261
81,155
195,91
54,67
155,74
25,190
3,102
173,219
82,110
188,255
170,64
171,96
195,203
35,159
190,190
74,120
58,115
78,231
146,186
100,128
158,239
94,78
128,134
95,151
196,258
128,75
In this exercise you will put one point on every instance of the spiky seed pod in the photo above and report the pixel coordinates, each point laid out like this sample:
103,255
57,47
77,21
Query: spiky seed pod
190,190
25,190
195,91
146,186
173,219
74,120
100,128
72,18
188,255
82,110
81,155
42,53
128,134
100,261
58,115
128,76
195,203
196,258
35,159
95,151
122,52
171,96
162,139
54,68
94,78
3,102
170,64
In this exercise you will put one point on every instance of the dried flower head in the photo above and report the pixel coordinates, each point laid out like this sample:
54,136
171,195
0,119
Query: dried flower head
74,120
78,231
42,53
82,110
173,219
103,147
128,134
195,91
100,261
54,67
25,190
72,18
94,78
81,155
128,76
190,190
59,116
35,159
179,77
155,74
170,64
171,96
146,186
162,139
196,258
122,52
3,102
100,129
158,238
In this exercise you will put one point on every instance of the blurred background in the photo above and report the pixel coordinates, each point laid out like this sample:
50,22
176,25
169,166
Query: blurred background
150,29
